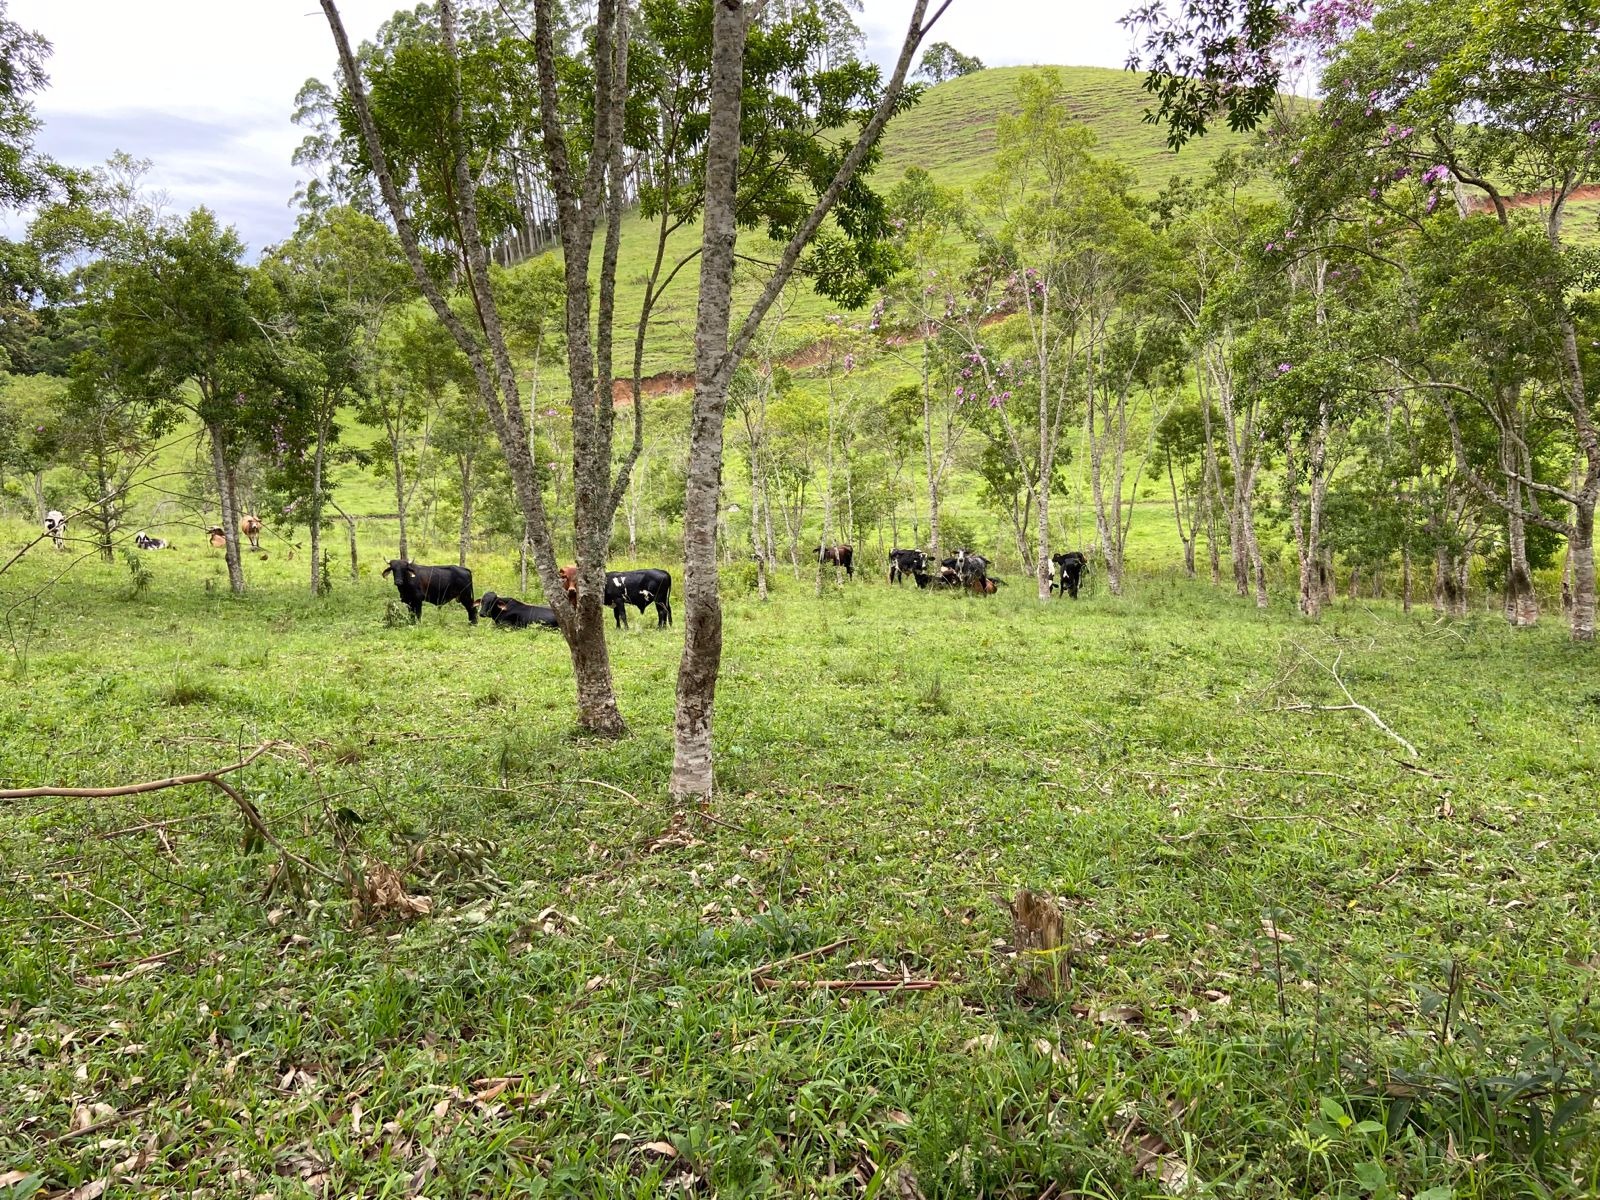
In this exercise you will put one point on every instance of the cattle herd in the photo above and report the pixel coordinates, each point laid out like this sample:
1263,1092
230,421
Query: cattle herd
417,584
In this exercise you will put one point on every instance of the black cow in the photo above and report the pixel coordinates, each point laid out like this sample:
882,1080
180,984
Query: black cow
514,614
145,542
906,562
641,588
839,556
1069,572
436,585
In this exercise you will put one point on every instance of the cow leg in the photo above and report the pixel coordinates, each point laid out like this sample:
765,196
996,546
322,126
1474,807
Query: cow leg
472,609
620,612
416,610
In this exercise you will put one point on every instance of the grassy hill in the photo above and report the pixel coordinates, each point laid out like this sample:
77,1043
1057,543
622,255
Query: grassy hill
951,134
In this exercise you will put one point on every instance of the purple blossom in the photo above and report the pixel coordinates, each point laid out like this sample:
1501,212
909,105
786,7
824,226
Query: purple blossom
1437,173
849,363
960,392
1285,368
1433,201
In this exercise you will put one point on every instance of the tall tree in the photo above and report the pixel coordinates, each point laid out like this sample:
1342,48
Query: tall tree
180,329
845,265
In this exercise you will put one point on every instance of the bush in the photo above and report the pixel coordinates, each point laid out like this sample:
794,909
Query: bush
740,578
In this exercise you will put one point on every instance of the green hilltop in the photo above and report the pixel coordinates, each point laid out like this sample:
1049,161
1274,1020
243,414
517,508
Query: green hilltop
951,134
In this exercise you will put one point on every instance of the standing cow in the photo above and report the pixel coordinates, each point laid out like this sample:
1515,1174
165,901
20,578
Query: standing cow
839,556
641,588
906,562
1069,572
55,525
436,585
250,526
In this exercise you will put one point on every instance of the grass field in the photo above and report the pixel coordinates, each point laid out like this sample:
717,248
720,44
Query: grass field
1299,962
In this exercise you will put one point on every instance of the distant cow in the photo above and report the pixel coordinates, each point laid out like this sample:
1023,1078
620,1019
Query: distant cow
1069,572
839,556
145,542
250,526
641,588
55,525
906,562
436,585
218,536
514,614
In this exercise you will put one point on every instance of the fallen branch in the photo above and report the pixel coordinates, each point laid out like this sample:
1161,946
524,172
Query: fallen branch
117,1119
252,815
801,957
1354,705
854,985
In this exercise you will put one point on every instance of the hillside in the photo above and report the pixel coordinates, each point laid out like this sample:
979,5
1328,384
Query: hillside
951,134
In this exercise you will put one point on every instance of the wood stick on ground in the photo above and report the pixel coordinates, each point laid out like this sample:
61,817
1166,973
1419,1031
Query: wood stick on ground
1354,705
768,968
118,1119
251,815
854,985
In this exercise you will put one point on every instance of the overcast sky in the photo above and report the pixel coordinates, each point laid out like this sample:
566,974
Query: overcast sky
204,88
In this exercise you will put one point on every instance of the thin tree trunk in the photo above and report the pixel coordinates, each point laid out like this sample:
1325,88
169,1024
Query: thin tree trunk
702,644
466,510
1580,546
1521,602
316,507
400,494
230,515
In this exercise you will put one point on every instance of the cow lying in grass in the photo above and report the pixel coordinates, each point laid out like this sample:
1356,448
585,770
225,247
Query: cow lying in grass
514,614
436,585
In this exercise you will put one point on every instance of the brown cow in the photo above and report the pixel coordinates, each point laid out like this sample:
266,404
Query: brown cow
218,536
569,580
839,556
250,526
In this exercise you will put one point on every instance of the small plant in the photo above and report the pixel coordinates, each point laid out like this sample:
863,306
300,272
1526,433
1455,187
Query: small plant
140,577
396,615
185,689
932,697
324,576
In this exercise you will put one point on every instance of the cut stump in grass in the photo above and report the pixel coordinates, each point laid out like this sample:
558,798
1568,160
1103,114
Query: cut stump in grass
1037,930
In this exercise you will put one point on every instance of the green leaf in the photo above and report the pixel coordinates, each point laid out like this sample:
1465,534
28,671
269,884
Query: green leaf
1371,1176
1443,1192
1332,1109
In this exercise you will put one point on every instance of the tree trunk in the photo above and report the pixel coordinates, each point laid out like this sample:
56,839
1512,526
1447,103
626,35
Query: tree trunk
230,515
316,508
702,644
927,445
1521,603
1405,579
400,495
466,510
1580,546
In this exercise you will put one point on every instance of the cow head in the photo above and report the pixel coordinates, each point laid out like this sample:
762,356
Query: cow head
400,569
486,604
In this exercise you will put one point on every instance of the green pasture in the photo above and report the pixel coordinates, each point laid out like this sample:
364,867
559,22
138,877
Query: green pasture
1299,961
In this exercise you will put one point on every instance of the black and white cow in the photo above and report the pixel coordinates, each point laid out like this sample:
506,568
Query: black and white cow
1069,572
145,542
641,588
55,526
514,614
436,585
903,563
969,570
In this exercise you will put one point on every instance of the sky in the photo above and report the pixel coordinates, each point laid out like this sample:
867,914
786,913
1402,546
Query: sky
204,88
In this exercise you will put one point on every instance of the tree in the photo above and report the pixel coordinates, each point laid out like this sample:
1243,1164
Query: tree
1496,95
930,292
942,61
26,177
1180,454
1208,58
180,330
845,266
339,277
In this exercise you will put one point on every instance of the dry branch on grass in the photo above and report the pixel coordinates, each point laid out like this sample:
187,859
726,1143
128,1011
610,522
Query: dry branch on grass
1354,705
247,809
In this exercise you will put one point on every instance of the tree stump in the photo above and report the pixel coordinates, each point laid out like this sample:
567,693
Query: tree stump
1036,936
